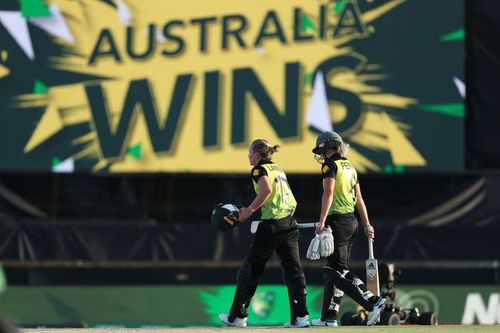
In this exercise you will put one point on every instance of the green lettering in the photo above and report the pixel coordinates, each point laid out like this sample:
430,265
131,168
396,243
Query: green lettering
114,143
352,102
171,38
150,46
323,22
285,123
298,18
203,22
227,30
350,20
211,121
271,20
105,39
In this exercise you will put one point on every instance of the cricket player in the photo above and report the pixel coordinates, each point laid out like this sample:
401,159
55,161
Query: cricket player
277,232
341,195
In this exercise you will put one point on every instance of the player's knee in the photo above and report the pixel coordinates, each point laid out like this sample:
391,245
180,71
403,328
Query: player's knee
294,277
246,273
338,293
357,281
350,276
331,275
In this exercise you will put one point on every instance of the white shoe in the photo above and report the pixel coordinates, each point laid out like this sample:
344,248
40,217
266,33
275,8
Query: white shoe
299,323
237,322
319,322
377,308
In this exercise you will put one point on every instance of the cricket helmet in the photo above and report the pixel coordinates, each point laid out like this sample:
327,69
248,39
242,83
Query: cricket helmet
225,216
327,140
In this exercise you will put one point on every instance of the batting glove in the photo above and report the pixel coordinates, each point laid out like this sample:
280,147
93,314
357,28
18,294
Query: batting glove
313,250
327,244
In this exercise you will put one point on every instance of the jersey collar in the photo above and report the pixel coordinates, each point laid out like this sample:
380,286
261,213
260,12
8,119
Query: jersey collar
336,157
264,161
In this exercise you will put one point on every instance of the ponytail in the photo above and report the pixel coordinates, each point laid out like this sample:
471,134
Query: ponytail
264,148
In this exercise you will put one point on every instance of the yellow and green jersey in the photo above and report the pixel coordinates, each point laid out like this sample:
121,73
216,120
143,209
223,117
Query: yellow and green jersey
281,202
346,178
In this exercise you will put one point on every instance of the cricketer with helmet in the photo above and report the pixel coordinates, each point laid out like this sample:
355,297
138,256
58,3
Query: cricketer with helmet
277,232
341,196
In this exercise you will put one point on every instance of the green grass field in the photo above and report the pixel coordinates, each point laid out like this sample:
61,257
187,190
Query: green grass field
350,329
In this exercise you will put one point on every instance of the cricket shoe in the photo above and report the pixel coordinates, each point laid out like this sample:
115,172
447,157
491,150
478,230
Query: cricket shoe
237,322
377,308
301,322
319,322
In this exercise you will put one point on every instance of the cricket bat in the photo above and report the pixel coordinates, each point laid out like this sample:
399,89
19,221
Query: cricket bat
372,282
255,225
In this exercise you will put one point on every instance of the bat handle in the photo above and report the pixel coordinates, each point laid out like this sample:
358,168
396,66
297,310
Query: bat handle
255,225
306,225
370,248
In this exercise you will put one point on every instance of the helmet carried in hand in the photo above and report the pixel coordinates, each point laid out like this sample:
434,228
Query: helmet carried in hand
225,216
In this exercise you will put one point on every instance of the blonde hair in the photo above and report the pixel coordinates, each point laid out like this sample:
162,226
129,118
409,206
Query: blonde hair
344,149
264,148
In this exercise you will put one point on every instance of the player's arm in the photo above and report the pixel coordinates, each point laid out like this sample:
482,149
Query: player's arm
265,191
326,202
363,213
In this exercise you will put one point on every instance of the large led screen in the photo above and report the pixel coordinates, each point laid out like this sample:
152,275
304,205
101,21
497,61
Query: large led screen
185,86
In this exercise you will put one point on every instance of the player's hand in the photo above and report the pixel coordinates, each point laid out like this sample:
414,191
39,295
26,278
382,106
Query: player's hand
319,228
245,213
369,231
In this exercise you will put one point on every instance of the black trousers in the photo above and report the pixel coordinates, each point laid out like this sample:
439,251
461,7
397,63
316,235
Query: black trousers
272,235
336,273
344,228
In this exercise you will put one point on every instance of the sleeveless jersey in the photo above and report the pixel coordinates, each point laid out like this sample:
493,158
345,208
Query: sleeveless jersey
281,202
346,178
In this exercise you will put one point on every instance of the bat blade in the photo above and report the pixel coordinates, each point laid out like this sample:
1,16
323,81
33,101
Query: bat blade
371,264
372,282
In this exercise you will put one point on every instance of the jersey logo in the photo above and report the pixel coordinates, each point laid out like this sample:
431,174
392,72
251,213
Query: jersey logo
256,172
325,168
345,165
